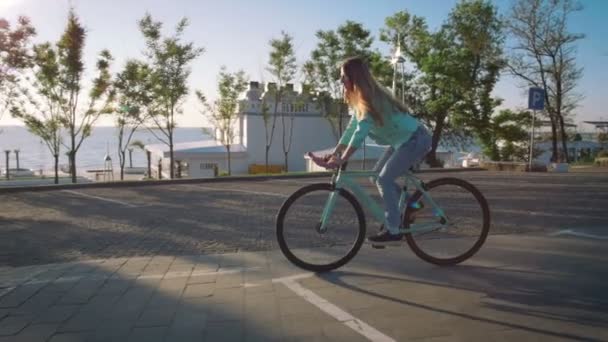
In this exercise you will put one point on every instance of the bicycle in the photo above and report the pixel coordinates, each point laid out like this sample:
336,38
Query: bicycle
335,207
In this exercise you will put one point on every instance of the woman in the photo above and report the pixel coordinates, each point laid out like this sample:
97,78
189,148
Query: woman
387,121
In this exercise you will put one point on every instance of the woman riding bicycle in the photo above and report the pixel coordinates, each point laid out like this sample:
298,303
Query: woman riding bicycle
387,121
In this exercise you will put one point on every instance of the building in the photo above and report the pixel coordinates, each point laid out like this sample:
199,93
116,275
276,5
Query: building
297,116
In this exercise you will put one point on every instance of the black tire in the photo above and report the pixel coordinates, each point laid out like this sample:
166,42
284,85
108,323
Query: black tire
485,223
280,228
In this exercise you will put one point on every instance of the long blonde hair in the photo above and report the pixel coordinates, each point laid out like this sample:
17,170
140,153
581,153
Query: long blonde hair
367,95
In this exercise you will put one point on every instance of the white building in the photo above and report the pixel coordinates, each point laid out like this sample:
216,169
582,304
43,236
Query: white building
297,115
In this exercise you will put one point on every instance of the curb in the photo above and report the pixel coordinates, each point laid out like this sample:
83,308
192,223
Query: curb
125,184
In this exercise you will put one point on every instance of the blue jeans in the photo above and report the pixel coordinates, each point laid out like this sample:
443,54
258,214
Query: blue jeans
393,164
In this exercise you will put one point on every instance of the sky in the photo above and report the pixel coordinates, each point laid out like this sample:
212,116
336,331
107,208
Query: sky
235,33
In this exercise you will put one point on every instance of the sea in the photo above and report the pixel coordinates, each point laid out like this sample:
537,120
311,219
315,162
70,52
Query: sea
34,154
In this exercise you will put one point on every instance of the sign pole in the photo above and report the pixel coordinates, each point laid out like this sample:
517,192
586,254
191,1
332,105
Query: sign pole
532,141
536,101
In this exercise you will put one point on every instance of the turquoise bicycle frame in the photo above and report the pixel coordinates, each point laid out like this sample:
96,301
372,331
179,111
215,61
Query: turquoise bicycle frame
346,180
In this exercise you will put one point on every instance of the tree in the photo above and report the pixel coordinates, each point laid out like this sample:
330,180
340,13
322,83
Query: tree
133,95
222,113
282,66
38,105
78,122
322,70
168,59
544,56
401,30
457,68
479,37
435,90
14,56
509,129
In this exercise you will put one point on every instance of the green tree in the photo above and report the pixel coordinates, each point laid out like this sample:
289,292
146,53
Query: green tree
169,60
457,67
322,70
14,56
222,113
403,30
133,95
479,38
76,120
38,105
51,96
545,56
282,67
509,129
435,57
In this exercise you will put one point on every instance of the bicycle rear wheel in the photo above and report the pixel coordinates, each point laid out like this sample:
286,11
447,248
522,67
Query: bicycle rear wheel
467,227
300,237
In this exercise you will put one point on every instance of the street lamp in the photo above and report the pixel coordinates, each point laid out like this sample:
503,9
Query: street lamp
398,62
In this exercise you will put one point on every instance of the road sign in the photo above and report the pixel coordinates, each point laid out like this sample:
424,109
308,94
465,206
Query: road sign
536,99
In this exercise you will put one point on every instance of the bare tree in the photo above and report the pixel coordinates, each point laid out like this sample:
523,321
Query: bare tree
544,56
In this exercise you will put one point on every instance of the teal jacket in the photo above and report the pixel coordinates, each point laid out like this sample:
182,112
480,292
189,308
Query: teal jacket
397,129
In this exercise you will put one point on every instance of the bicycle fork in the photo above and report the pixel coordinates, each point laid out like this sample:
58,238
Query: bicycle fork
327,210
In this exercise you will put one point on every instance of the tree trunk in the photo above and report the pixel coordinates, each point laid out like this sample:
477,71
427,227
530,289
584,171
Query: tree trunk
56,156
130,158
229,165
171,174
432,156
554,155
122,165
266,157
149,164
73,158
564,139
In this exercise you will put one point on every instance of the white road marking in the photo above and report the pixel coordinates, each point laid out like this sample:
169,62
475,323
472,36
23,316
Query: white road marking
342,316
248,285
580,234
101,198
274,194
293,277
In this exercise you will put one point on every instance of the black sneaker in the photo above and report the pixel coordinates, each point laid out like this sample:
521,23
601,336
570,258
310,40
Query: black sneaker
385,238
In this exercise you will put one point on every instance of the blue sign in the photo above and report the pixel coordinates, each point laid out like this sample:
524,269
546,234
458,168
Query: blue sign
536,99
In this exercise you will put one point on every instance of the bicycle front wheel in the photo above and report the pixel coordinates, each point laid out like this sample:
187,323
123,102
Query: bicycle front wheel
308,245
454,241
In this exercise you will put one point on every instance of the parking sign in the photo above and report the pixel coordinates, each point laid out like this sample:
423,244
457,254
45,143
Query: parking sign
536,99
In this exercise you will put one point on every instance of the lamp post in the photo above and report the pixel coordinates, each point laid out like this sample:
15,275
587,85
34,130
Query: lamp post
398,62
